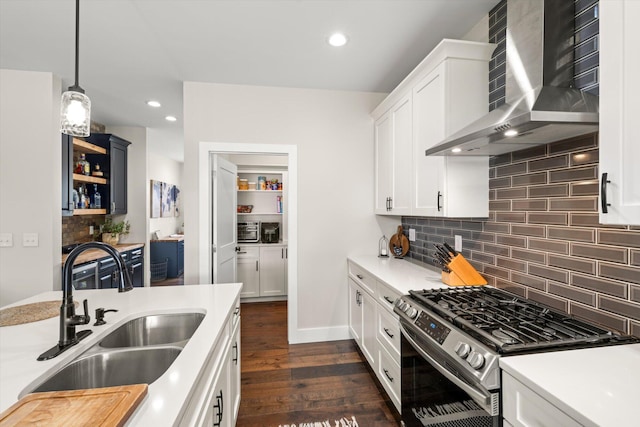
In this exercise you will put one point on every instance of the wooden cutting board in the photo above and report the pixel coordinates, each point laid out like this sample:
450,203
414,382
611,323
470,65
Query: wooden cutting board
105,407
399,244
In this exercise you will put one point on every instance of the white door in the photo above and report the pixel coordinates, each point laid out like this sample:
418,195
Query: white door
224,239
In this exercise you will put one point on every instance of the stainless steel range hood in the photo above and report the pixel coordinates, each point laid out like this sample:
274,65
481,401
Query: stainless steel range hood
541,106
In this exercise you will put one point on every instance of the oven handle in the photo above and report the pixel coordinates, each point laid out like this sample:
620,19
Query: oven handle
477,395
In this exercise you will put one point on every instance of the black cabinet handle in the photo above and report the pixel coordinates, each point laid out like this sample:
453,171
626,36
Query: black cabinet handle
235,357
390,204
220,407
388,333
438,201
603,193
387,375
360,276
389,300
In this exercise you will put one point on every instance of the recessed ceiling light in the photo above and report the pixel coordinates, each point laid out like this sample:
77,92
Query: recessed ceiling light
337,39
154,104
456,150
170,118
511,132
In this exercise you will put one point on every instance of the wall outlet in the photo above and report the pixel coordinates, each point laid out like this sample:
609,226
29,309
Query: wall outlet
30,239
412,234
457,243
6,240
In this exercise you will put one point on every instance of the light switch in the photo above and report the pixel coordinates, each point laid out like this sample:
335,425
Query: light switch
412,234
6,240
30,239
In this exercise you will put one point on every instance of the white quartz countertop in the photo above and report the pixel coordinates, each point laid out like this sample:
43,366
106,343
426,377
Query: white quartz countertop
399,274
164,404
596,386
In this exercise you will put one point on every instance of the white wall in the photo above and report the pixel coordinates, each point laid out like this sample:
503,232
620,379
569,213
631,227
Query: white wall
333,133
162,168
30,182
479,32
137,190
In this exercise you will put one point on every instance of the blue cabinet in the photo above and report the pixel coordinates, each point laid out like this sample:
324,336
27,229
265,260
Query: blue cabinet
172,251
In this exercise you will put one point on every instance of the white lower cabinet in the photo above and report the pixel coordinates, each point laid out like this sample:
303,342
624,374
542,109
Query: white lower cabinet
523,407
375,328
362,320
262,270
216,397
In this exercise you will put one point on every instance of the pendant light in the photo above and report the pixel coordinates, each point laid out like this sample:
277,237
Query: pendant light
75,108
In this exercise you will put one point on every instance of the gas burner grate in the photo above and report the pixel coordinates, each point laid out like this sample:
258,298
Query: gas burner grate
507,322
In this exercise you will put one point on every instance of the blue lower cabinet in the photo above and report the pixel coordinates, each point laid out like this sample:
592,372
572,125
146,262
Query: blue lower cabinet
172,252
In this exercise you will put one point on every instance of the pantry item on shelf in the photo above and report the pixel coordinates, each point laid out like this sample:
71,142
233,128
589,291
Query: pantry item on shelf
262,183
97,171
243,184
82,166
97,199
245,208
399,244
251,185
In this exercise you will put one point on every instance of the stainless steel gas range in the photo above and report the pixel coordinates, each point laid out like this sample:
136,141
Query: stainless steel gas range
453,338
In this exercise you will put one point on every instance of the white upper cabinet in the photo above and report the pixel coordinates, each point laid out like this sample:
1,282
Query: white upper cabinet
619,109
393,147
447,91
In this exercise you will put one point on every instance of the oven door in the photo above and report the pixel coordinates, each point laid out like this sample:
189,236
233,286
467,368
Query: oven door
434,393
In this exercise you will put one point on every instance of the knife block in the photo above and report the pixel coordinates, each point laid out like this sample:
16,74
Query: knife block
462,273
452,279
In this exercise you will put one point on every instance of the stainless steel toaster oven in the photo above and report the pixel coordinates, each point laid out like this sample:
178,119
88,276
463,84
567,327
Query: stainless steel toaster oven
248,232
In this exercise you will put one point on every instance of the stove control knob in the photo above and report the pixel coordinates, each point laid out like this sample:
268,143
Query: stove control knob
476,360
412,313
462,349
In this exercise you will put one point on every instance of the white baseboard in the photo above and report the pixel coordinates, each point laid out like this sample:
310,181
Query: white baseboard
308,335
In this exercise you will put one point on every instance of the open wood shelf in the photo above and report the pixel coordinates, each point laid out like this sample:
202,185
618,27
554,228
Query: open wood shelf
87,147
89,179
89,212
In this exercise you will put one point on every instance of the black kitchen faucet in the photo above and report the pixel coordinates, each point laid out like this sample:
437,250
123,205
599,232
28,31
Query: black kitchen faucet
68,318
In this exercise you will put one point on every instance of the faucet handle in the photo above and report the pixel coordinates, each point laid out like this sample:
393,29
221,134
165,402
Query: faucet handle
85,318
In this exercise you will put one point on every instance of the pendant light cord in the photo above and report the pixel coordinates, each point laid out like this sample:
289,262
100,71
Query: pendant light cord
76,86
77,39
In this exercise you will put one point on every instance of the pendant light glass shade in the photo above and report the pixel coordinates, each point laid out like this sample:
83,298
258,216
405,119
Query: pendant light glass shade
75,113
75,107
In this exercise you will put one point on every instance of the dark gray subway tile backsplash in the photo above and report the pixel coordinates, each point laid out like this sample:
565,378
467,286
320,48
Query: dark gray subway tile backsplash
542,239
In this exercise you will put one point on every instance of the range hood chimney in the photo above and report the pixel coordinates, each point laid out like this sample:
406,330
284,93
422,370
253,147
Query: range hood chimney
541,104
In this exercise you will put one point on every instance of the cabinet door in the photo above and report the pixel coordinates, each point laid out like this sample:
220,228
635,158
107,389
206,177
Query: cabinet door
118,177
355,311
619,92
221,408
369,329
136,271
67,176
234,376
272,264
249,276
402,154
429,129
393,152
383,129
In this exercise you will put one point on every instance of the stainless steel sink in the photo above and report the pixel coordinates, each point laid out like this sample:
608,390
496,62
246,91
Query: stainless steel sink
154,330
112,368
137,352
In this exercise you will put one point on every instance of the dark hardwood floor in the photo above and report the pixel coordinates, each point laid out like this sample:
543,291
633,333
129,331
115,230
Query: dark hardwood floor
302,383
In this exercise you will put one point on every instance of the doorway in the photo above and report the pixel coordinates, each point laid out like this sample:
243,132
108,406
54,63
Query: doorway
256,151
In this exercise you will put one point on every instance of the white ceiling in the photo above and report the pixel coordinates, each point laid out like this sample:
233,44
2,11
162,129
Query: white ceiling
135,50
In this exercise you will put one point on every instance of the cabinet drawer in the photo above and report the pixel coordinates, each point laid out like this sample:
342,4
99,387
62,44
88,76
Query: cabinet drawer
363,277
389,376
525,408
387,296
249,252
389,333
